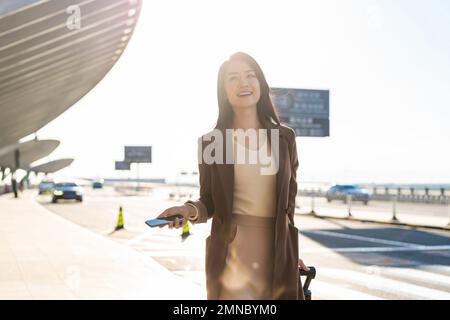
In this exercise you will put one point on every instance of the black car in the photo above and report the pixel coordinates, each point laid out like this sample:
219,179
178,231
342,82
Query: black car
67,190
340,192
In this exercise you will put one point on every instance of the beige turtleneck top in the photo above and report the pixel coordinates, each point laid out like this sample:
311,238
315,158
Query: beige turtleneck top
254,184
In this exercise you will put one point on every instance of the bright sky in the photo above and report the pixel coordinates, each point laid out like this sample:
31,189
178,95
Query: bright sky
386,64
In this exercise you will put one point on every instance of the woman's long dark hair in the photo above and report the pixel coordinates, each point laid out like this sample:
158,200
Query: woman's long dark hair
265,108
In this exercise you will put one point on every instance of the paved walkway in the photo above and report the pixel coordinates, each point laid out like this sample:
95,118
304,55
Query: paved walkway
43,256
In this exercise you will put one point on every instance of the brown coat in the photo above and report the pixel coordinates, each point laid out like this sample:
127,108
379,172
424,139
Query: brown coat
216,201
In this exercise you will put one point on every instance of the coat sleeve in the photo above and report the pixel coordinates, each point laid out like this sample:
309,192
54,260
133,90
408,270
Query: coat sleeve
293,180
205,204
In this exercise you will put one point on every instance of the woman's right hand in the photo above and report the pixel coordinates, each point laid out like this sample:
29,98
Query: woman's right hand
184,210
302,265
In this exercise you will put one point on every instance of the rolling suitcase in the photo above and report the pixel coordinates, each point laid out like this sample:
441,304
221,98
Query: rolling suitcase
311,274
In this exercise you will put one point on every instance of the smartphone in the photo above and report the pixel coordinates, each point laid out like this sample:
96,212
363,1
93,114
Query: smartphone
163,221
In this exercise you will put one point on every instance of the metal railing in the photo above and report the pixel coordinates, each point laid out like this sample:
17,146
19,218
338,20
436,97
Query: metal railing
424,214
427,197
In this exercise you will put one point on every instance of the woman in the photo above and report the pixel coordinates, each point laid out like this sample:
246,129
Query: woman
252,252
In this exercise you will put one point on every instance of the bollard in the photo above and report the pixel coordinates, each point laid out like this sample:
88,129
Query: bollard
448,210
313,212
120,224
394,209
349,205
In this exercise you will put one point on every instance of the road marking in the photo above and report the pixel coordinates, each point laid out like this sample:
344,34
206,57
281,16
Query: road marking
180,246
376,249
443,270
421,275
197,277
324,291
147,234
372,281
361,238
174,253
320,289
163,236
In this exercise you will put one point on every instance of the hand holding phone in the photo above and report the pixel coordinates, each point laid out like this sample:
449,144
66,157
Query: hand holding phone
171,214
162,221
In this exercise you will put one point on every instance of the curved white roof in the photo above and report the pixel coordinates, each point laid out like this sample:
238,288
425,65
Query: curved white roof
30,152
52,166
47,65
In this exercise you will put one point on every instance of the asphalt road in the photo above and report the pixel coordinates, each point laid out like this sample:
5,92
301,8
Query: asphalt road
354,260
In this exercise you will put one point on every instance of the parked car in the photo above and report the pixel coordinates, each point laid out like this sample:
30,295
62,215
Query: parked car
67,190
340,192
97,184
46,187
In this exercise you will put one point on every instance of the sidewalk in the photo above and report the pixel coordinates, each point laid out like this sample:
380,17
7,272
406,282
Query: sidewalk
43,256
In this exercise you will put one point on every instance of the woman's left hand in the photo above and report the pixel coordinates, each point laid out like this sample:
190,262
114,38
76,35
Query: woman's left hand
302,265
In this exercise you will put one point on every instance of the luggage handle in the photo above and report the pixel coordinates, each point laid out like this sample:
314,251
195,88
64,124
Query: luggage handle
311,274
